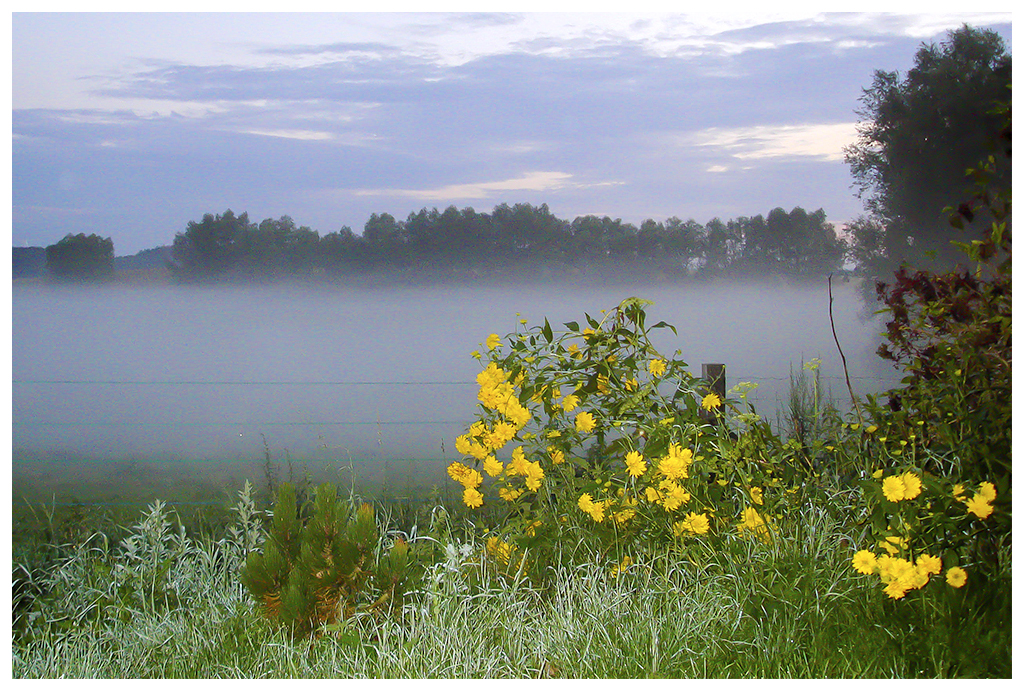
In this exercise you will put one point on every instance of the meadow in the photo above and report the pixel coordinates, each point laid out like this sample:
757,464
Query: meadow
634,521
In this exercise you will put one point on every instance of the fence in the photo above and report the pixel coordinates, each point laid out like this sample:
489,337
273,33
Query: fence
402,428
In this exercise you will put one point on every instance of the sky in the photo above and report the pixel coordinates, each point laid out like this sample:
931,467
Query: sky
132,125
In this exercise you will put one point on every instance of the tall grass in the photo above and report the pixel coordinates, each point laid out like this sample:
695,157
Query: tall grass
164,604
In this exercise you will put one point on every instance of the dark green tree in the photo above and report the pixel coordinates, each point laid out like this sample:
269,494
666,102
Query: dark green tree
917,136
206,250
81,257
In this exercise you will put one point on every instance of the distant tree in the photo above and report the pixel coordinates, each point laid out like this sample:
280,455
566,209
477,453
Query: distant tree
918,135
28,262
85,257
719,247
207,249
384,239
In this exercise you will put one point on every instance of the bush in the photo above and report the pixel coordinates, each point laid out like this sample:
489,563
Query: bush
941,496
309,576
615,445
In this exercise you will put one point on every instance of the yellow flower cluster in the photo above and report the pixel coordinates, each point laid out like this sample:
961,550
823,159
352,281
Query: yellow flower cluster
595,509
676,463
470,479
901,487
498,394
981,503
902,575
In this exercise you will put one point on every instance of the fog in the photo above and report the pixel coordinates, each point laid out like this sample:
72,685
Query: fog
359,375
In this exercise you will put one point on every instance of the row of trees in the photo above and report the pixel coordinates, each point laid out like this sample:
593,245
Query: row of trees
795,243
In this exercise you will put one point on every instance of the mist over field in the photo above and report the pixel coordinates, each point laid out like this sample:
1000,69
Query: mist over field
361,375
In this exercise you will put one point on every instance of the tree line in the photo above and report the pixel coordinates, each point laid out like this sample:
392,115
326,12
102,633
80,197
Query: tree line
460,241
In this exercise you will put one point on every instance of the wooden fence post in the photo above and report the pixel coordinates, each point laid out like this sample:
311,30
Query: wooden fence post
714,375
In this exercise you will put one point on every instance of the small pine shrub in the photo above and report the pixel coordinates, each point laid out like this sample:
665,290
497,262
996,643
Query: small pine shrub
313,575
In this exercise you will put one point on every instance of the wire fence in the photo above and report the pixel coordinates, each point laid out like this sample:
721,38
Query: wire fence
354,435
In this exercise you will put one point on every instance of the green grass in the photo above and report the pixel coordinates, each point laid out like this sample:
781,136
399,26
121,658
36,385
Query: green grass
173,607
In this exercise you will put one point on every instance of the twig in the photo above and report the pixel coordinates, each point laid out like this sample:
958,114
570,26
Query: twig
853,398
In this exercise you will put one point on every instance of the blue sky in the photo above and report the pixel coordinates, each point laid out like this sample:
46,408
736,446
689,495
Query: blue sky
131,125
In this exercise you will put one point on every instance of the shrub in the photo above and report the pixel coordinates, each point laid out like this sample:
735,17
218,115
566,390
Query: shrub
942,495
605,440
309,576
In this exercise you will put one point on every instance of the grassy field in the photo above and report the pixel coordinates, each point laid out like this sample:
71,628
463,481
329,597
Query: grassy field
93,608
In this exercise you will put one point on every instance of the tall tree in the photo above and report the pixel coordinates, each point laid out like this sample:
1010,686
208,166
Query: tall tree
918,135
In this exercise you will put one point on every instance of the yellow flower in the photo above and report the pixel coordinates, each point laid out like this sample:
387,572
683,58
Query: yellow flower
624,515
493,466
694,524
620,567
570,402
672,495
462,444
472,498
476,354
509,494
534,474
911,485
710,402
865,562
871,429
930,564
979,507
878,474
893,488
465,476
656,367
584,422
557,457
958,492
757,496
595,509
956,577
518,464
676,464
987,491
493,341
893,544
635,464
895,590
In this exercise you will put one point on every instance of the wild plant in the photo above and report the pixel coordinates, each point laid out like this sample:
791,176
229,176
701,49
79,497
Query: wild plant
313,575
611,445
938,499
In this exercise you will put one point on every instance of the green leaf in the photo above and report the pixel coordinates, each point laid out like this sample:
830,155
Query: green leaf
548,335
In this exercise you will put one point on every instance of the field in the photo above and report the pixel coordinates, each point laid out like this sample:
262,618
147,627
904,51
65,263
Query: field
635,521
795,609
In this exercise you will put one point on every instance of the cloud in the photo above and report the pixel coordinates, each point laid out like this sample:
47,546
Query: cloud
820,141
302,135
538,181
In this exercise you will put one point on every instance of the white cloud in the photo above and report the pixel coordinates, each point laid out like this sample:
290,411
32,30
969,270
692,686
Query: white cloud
538,181
823,142
303,135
